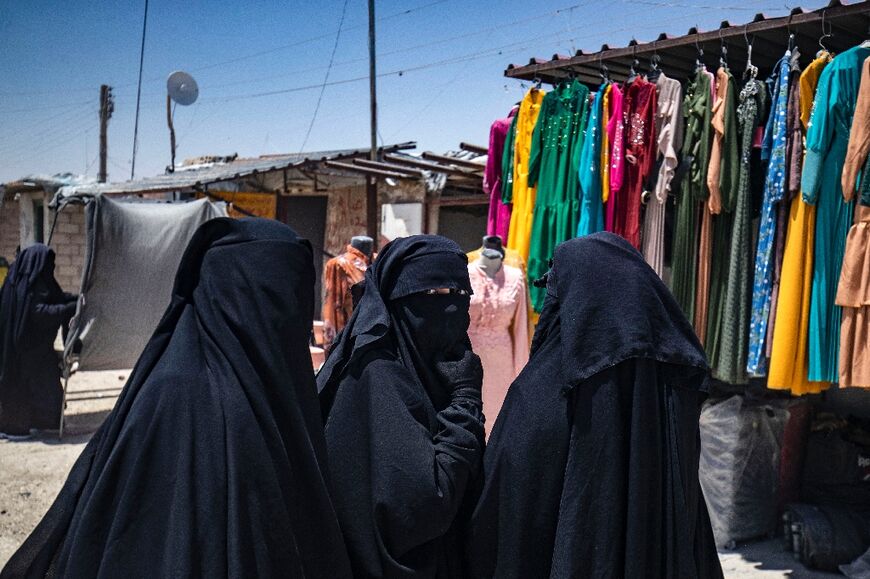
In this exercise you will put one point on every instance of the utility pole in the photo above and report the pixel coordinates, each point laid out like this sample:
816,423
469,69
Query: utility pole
371,181
107,107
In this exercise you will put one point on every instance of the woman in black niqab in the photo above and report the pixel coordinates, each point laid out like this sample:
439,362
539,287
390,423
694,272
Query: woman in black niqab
212,463
401,397
592,467
32,308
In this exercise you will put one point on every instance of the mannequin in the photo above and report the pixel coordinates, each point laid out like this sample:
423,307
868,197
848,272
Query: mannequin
490,261
364,244
339,275
499,322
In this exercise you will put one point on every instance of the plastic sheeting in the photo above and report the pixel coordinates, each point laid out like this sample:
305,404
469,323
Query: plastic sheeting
133,252
741,444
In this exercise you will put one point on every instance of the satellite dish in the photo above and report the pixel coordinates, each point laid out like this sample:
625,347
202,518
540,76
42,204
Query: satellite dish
182,88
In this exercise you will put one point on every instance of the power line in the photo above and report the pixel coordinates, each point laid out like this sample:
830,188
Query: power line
139,92
325,78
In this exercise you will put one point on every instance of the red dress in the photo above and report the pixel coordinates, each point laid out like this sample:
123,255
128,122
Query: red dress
640,108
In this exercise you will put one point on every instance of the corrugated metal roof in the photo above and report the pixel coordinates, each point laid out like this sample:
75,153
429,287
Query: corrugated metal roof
200,175
769,37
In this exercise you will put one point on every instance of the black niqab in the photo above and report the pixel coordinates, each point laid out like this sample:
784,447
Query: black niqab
402,405
212,462
32,307
592,467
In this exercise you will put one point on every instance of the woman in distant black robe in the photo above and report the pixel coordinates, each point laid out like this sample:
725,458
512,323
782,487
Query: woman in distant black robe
32,308
592,466
404,431
212,462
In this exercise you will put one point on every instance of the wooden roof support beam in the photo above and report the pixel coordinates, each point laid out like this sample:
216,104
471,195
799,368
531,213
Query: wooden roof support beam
473,148
429,166
367,171
444,159
388,167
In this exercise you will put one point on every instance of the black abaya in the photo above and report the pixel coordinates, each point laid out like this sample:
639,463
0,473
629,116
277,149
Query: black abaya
212,463
32,308
592,467
401,395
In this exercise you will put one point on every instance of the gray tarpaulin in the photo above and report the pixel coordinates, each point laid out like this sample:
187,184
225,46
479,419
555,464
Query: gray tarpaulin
133,251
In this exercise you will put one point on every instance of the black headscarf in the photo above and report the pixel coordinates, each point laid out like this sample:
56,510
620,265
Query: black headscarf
32,308
31,273
401,395
592,466
212,462
391,312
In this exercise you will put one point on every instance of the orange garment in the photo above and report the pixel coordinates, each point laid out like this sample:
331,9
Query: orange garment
853,291
339,274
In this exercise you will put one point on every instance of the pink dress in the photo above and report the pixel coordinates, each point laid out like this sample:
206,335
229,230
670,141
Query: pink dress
499,332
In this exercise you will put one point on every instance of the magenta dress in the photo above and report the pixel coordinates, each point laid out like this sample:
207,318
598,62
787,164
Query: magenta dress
499,332
499,213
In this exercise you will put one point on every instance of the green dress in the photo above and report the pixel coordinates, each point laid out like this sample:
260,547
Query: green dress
553,164
729,179
697,108
507,164
733,340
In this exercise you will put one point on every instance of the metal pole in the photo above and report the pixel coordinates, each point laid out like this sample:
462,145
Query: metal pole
371,181
104,120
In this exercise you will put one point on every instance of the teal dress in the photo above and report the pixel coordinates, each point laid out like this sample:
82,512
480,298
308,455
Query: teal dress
589,173
827,140
553,161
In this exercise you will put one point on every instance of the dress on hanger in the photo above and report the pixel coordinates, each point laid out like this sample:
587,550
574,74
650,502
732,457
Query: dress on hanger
553,163
522,194
774,150
498,332
589,173
499,218
339,274
639,156
696,149
705,241
788,360
853,292
827,142
731,364
669,137
606,108
615,159
722,179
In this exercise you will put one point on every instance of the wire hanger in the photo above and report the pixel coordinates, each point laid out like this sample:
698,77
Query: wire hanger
751,70
699,62
635,64
654,67
826,33
723,56
602,70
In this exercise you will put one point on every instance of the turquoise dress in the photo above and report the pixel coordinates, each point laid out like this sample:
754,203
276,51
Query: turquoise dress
827,140
589,172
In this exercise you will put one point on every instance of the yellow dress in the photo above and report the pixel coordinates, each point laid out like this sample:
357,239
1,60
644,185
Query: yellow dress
789,359
520,231
605,145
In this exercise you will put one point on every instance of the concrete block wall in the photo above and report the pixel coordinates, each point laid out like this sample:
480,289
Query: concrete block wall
9,228
68,242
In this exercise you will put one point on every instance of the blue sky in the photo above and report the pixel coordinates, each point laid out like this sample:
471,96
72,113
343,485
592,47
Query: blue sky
442,63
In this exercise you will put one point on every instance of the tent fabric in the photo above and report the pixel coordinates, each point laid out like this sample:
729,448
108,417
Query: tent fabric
133,251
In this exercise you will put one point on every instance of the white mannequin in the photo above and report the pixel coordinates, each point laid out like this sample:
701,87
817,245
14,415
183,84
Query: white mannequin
490,261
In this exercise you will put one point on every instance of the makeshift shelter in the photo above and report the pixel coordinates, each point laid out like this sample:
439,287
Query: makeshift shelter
132,253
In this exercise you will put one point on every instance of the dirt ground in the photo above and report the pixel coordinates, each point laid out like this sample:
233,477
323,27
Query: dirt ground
33,471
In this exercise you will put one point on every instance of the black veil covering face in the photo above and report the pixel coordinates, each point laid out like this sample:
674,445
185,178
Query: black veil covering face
592,467
401,395
32,308
212,463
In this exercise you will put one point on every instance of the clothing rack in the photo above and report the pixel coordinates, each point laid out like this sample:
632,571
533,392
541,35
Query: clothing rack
678,55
